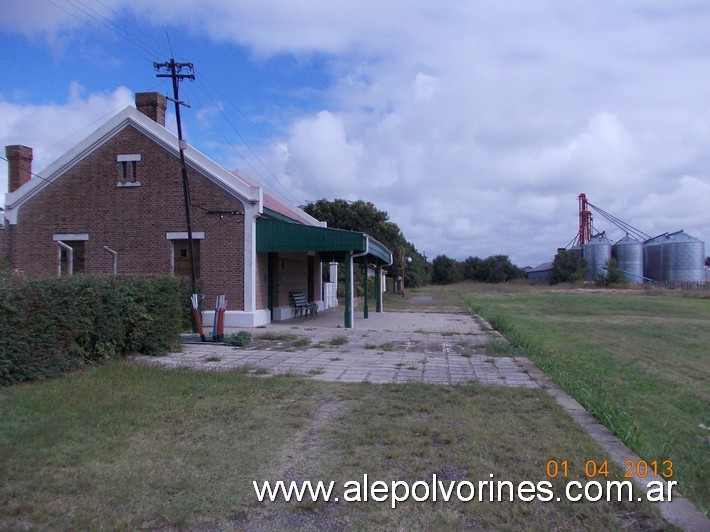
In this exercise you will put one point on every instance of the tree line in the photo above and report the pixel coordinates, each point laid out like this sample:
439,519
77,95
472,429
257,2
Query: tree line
494,269
364,217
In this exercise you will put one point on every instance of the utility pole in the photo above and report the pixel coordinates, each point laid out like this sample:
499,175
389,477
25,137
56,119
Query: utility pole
176,71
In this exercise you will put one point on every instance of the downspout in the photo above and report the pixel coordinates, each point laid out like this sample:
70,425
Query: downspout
349,304
114,259
70,258
378,304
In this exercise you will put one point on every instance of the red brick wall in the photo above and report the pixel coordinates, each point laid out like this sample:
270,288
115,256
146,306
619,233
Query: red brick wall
291,276
262,281
133,220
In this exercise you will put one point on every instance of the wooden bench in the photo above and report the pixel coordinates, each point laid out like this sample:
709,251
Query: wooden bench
302,307
300,304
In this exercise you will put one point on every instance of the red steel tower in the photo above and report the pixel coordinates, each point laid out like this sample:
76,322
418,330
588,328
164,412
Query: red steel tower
585,221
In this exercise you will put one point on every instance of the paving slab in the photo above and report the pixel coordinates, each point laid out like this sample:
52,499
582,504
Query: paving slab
385,347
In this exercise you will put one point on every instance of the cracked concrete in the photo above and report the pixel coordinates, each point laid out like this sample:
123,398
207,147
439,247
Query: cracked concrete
386,348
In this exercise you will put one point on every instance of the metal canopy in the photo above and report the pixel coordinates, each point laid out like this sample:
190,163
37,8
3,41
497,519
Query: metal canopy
276,235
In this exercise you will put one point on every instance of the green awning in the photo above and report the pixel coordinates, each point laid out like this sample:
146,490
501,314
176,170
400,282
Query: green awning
276,235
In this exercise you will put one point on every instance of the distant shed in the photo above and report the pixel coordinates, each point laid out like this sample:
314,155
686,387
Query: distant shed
540,273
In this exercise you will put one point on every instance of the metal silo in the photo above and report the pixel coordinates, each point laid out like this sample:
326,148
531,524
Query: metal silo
629,258
653,257
683,258
597,252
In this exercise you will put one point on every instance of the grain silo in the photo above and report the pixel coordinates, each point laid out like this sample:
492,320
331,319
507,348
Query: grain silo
597,252
629,258
653,257
683,258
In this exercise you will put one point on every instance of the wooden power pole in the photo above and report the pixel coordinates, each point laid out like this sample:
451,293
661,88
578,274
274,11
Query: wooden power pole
179,72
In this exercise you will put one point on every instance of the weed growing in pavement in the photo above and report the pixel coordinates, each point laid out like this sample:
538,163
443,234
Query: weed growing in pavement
240,339
338,340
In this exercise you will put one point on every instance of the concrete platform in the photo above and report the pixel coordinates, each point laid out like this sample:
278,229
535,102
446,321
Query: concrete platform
392,347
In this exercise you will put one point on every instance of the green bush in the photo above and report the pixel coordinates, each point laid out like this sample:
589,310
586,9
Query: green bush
53,325
240,339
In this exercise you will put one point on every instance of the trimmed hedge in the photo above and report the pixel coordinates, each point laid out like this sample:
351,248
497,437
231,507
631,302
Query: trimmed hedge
53,325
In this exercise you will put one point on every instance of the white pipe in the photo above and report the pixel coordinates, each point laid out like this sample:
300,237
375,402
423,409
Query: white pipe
70,258
114,256
352,280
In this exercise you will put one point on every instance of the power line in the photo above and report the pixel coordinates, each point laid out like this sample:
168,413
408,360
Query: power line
139,45
91,14
276,180
54,183
265,135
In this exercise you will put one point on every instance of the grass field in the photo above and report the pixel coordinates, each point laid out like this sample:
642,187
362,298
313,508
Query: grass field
125,446
639,361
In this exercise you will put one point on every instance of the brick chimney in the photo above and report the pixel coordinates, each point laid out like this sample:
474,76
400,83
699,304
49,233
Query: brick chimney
19,166
152,105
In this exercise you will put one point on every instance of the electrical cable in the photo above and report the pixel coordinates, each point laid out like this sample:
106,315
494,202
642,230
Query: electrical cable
244,141
139,45
43,178
266,136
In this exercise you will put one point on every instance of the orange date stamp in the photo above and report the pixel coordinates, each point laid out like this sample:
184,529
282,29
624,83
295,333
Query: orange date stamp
595,468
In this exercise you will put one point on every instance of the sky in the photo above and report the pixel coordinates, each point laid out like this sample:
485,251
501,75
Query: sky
474,124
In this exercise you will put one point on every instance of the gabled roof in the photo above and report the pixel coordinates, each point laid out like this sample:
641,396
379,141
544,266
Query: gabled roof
544,267
235,184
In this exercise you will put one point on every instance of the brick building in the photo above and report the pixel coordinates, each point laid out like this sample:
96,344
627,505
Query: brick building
115,203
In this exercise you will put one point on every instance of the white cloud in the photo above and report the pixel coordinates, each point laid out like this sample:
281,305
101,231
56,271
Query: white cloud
321,146
474,124
52,129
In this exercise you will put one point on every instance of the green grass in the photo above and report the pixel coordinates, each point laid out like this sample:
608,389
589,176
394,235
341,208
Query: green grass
124,446
387,346
338,340
499,348
639,362
278,337
293,340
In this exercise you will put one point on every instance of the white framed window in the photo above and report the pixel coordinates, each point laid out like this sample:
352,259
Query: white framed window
128,170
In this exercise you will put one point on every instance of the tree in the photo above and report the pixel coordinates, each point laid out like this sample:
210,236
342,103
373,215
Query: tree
498,268
611,274
364,217
473,269
445,270
567,267
494,269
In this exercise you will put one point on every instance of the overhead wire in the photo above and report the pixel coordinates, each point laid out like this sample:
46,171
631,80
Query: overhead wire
149,52
49,181
266,136
89,124
89,12
256,156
